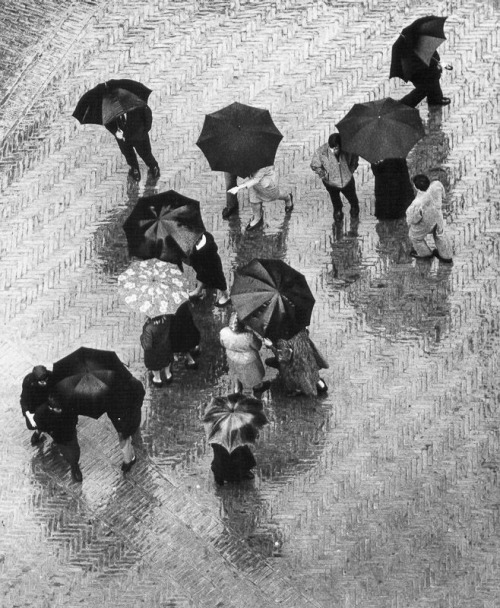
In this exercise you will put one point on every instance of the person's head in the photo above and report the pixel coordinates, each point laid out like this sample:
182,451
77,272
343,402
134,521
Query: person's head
41,375
235,324
421,182
54,405
334,142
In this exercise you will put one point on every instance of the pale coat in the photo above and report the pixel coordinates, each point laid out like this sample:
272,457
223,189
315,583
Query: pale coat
425,213
266,189
243,357
334,171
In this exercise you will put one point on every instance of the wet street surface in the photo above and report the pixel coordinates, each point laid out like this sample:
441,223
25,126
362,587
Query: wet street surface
382,494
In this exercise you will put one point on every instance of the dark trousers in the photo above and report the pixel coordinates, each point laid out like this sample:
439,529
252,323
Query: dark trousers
231,182
349,191
143,149
70,450
424,87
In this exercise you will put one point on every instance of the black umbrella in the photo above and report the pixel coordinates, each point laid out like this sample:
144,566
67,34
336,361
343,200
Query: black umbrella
239,139
166,226
272,298
110,99
84,380
380,129
416,46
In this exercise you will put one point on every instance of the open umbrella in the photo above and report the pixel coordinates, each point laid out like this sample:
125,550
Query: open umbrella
380,129
239,139
272,298
233,421
166,226
416,46
110,99
84,380
153,287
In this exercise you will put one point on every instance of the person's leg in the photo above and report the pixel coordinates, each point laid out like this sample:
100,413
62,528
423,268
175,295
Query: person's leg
334,193
157,381
128,452
143,149
420,248
231,199
70,451
288,198
130,156
168,373
257,215
349,192
435,93
443,246
413,98
197,293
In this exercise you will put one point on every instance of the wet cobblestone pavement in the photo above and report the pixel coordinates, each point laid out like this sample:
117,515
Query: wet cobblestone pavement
384,494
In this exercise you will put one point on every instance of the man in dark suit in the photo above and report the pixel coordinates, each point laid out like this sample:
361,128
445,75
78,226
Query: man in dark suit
132,134
425,79
35,391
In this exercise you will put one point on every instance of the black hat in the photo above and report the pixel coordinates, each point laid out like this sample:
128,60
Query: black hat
40,372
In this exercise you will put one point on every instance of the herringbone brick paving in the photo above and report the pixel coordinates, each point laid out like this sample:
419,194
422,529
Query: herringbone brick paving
384,493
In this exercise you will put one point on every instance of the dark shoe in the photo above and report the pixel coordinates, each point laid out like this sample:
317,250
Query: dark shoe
289,207
251,227
191,364
441,259
76,473
262,388
338,216
126,466
415,255
157,383
134,174
272,362
444,101
169,380
154,172
220,304
321,386
227,212
37,438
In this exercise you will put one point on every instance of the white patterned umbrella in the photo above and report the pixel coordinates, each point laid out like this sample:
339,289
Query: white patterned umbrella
153,287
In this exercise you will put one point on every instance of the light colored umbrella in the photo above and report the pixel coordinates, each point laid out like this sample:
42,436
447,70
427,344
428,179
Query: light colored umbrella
153,287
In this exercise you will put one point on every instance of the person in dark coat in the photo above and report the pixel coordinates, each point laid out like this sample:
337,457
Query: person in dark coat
165,335
393,188
233,467
35,391
207,264
60,423
124,411
131,131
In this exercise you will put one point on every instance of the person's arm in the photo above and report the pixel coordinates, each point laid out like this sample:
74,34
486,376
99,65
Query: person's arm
247,183
147,337
317,165
414,214
353,162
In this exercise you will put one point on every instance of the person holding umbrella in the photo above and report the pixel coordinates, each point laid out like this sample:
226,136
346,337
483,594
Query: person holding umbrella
35,391
242,352
415,59
336,169
206,262
60,423
231,423
393,188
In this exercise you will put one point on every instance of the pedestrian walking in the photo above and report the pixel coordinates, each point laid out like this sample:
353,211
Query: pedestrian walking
426,80
424,217
164,335
232,466
35,391
298,362
243,357
336,169
124,411
60,423
393,188
263,187
232,204
131,131
207,264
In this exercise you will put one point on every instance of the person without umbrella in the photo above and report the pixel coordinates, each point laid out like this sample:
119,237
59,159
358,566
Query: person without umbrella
298,362
336,169
60,423
207,265
124,411
263,187
424,217
35,391
242,352
131,131
164,335
232,204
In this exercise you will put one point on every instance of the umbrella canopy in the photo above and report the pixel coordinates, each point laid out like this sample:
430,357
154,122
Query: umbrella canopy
100,105
239,139
272,298
380,129
234,420
84,380
166,226
153,287
416,45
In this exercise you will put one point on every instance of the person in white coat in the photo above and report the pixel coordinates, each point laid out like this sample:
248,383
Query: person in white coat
424,217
